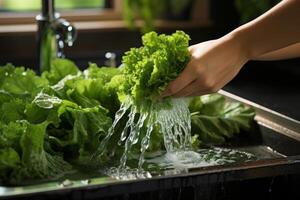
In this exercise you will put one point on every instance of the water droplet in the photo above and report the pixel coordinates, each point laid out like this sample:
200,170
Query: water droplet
46,101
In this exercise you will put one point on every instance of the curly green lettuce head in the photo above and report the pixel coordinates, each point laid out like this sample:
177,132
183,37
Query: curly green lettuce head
150,68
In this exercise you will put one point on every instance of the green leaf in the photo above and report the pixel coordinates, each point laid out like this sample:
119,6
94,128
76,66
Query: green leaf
12,111
9,160
60,68
36,161
87,127
216,119
18,81
103,73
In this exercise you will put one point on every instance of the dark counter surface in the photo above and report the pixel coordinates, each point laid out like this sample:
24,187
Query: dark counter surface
274,85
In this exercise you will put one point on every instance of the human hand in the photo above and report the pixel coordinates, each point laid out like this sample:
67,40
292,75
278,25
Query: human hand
213,64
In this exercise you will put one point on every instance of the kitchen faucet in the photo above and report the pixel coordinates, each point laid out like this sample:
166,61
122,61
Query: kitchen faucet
53,34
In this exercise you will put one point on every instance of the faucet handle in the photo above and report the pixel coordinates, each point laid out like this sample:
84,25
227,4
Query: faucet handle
65,32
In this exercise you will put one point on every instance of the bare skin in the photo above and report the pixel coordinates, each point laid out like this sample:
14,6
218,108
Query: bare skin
292,51
274,35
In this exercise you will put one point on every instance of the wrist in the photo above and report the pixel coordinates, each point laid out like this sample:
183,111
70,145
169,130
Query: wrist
241,44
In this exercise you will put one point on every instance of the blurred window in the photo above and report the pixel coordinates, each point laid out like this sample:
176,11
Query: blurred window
34,5
24,11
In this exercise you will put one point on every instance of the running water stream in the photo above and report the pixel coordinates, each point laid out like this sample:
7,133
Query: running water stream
173,119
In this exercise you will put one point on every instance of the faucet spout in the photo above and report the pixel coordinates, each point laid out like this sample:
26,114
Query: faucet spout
53,34
48,8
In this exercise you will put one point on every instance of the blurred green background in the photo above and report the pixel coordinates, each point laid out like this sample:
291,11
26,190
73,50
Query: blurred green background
31,5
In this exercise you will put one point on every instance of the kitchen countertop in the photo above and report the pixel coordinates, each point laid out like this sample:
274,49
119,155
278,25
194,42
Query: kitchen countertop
274,85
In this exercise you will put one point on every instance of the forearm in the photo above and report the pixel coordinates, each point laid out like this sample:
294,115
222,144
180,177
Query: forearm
276,29
292,51
214,63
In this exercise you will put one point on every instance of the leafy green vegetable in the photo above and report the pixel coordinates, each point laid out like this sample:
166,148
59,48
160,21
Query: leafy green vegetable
9,160
23,153
37,162
21,82
82,130
150,68
214,119
14,110
53,121
60,68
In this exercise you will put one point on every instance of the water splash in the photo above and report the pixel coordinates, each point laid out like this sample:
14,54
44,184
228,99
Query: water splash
171,117
127,173
202,158
173,121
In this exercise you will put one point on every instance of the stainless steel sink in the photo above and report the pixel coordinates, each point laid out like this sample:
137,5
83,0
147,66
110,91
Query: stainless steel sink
274,139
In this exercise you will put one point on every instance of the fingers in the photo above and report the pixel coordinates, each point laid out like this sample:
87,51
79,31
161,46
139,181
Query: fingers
189,90
185,78
196,88
200,93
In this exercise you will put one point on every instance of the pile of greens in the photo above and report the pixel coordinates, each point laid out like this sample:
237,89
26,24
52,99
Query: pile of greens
52,124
